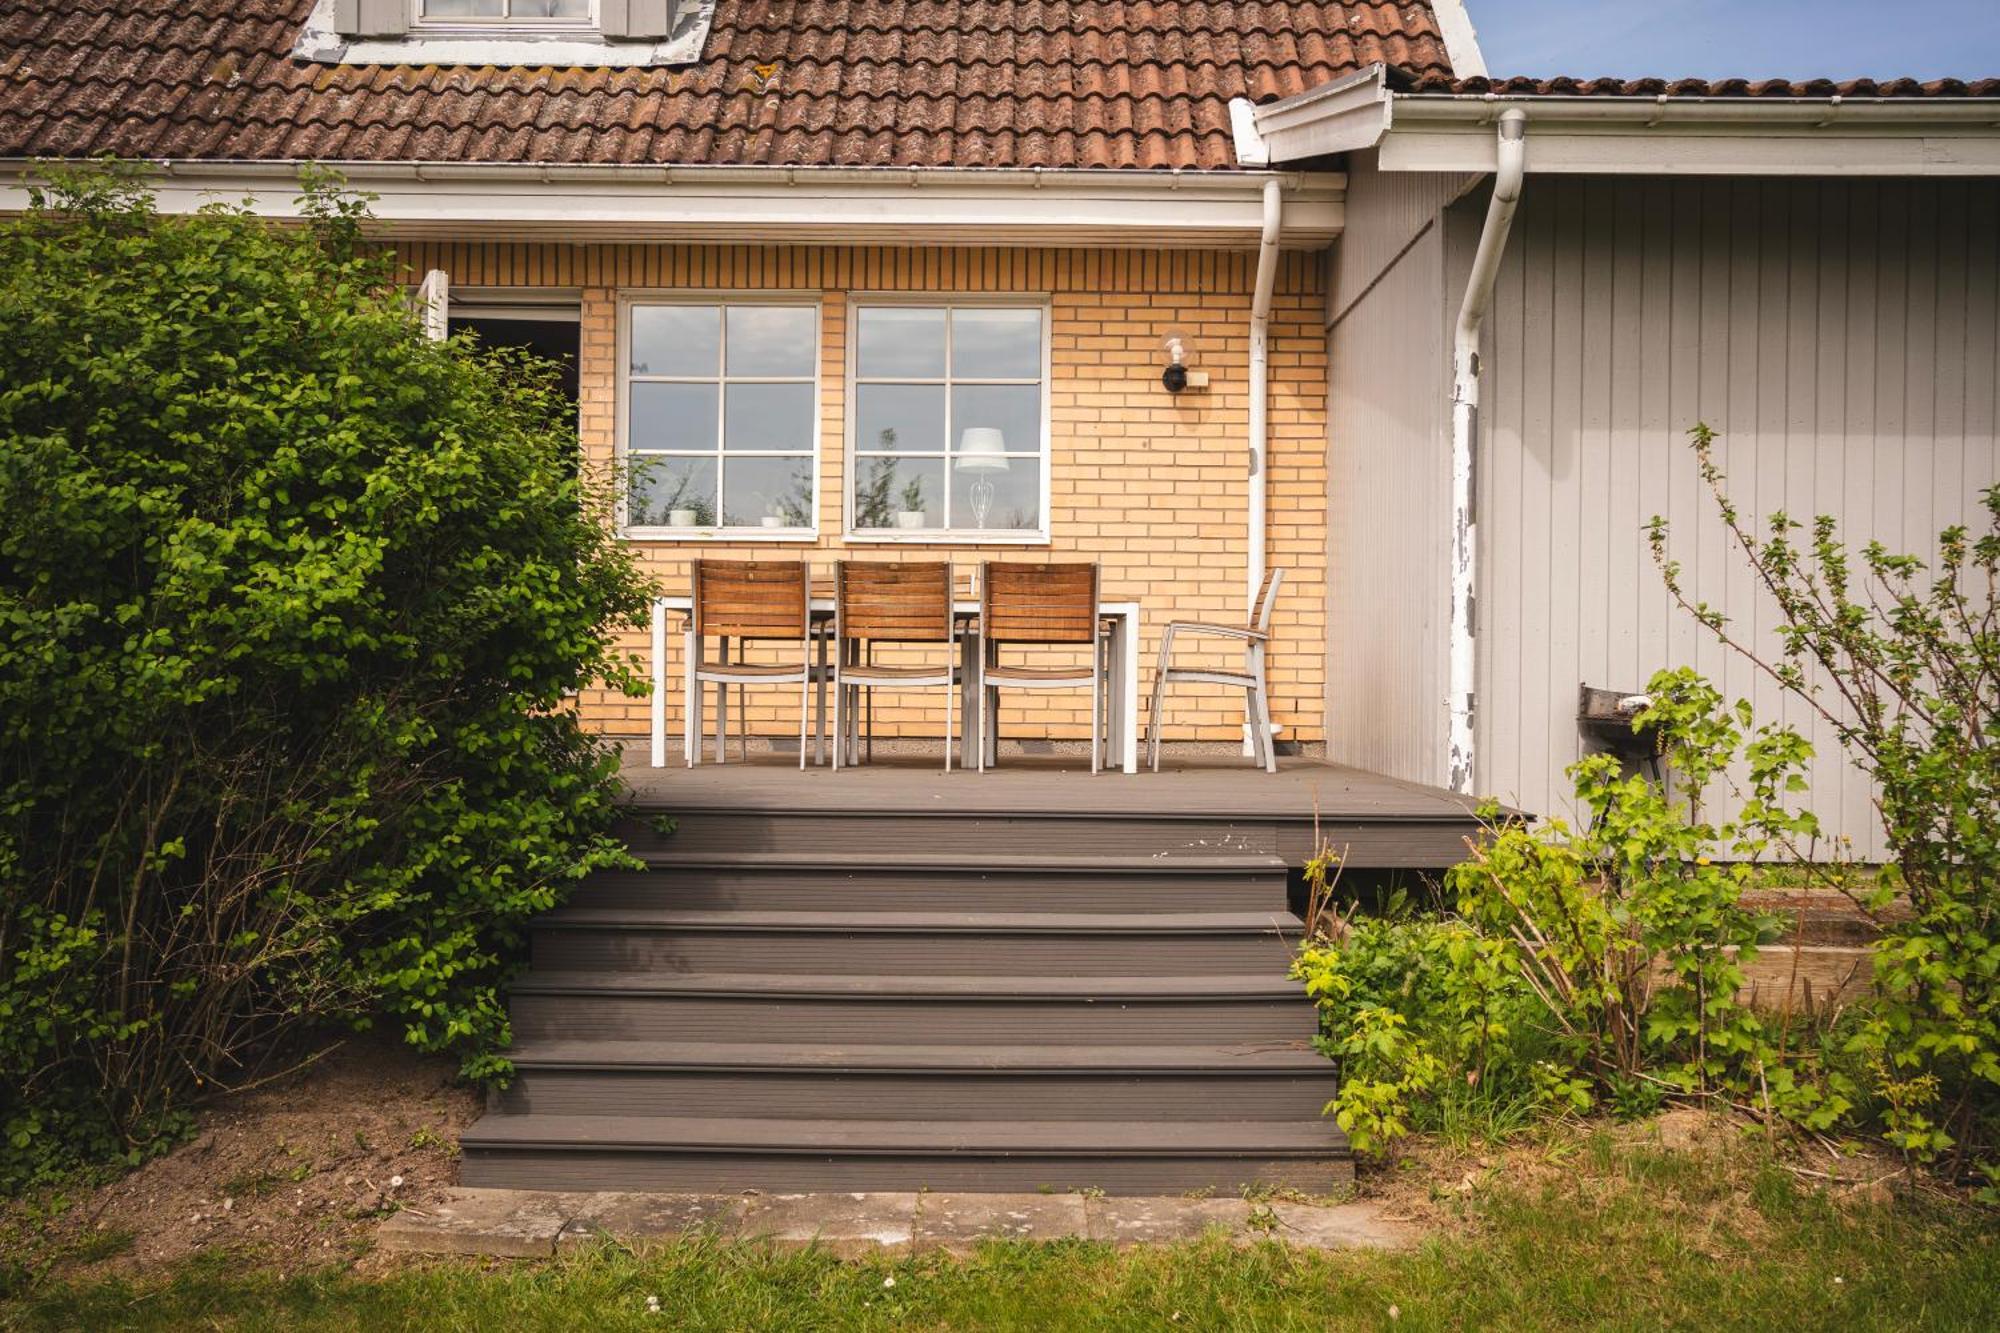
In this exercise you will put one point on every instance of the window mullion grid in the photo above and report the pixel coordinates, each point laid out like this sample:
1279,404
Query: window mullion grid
950,314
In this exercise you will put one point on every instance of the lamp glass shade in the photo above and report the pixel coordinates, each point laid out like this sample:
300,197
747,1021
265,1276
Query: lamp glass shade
982,449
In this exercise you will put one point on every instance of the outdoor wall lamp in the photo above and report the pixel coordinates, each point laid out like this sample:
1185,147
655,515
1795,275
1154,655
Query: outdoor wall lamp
1177,377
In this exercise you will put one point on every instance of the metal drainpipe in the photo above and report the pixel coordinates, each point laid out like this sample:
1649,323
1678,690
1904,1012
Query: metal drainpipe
1260,376
1260,398
1463,679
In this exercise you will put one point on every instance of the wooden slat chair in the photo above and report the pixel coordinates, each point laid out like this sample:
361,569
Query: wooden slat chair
877,603
1023,604
1252,680
749,601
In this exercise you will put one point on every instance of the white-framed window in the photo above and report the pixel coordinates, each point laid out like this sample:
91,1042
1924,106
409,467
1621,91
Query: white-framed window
719,416
948,419
510,15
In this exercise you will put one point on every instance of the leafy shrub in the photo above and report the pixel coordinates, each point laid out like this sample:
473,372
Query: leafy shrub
1587,967
291,603
1901,657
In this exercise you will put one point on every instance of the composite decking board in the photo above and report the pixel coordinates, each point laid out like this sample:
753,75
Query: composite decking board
922,923
998,989
1300,789
987,864
1220,1060
1087,1138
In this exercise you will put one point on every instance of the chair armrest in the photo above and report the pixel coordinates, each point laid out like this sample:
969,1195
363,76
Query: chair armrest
1243,632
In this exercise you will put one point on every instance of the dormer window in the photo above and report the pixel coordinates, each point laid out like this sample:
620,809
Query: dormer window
504,15
505,32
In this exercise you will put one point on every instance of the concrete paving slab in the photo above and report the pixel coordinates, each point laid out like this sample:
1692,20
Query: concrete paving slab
1141,1221
514,1224
533,1224
639,1219
956,1223
1344,1226
852,1226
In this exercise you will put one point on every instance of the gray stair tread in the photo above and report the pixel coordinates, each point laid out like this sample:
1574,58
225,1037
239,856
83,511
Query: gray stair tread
979,987
1037,923
958,864
1222,1060
1055,1138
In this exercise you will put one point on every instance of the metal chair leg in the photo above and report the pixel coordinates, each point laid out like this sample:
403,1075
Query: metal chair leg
805,708
839,721
1097,705
819,724
1262,722
690,701
1160,674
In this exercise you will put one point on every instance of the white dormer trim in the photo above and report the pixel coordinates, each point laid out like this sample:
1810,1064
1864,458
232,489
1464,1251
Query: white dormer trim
560,45
1461,42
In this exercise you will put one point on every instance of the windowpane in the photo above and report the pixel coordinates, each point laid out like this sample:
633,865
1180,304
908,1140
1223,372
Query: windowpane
464,9
1009,499
767,492
677,340
673,416
899,342
551,9
901,493
1015,410
768,416
671,492
771,340
899,418
996,344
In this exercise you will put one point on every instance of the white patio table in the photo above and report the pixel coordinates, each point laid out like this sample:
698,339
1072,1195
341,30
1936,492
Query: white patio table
1123,618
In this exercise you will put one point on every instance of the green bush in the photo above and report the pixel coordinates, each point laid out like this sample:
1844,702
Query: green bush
1901,658
1591,967
292,601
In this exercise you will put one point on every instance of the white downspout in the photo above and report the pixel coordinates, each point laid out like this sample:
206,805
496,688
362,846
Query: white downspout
1463,677
1260,377
1260,396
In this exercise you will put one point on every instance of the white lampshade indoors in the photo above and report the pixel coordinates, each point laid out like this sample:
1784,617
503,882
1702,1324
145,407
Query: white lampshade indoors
982,449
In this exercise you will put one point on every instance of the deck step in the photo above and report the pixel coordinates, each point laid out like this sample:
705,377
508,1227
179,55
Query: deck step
1007,943
888,880
782,1080
823,1007
970,836
733,1153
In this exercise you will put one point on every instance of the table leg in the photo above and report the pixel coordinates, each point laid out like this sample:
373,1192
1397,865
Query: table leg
968,700
1125,640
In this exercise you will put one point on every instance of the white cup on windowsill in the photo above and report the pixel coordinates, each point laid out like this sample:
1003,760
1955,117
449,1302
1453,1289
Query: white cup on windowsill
913,518
682,518
772,521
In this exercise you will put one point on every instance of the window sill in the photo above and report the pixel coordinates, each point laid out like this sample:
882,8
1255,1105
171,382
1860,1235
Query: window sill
941,537
767,535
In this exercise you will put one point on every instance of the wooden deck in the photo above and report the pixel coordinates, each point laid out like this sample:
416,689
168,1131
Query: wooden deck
1193,805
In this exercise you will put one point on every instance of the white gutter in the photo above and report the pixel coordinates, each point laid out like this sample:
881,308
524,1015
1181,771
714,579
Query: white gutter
1463,678
833,205
1260,380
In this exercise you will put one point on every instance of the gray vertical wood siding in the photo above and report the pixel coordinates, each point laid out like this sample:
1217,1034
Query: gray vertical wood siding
1842,336
1389,486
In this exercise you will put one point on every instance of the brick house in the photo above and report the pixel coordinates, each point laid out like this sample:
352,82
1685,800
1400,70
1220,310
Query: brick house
1443,331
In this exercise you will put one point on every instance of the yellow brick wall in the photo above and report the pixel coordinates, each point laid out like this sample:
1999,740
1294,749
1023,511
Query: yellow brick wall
1150,485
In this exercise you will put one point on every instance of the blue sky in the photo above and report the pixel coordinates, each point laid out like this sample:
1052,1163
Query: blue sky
1797,39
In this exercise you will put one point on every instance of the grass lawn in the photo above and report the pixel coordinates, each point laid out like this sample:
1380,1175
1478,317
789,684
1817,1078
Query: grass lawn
1573,1233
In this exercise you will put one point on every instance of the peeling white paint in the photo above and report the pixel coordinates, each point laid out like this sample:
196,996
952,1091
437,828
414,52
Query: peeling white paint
1461,679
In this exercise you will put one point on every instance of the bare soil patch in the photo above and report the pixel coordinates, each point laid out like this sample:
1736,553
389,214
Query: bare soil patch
295,1173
